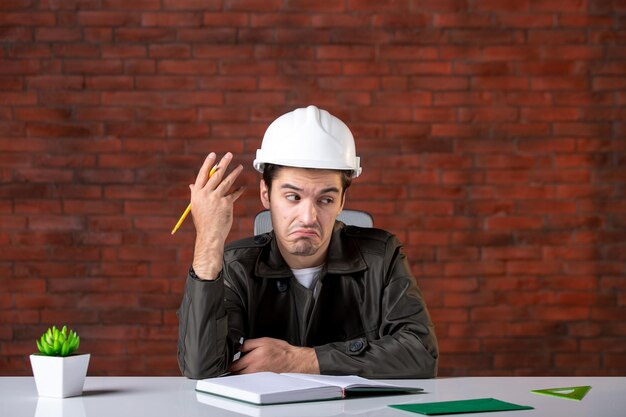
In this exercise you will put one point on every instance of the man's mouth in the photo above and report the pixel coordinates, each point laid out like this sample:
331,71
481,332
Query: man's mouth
305,232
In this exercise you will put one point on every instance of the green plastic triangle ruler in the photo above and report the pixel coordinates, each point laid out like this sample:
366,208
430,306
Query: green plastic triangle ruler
571,393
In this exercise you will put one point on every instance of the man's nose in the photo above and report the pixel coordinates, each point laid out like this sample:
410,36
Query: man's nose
308,213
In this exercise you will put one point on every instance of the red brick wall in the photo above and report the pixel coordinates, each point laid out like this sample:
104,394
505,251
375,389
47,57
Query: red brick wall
491,134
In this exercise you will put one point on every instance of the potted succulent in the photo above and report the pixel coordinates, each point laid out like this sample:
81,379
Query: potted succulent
58,371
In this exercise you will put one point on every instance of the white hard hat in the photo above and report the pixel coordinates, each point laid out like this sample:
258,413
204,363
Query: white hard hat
308,138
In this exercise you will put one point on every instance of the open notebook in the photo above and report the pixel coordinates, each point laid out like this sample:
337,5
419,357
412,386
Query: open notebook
272,388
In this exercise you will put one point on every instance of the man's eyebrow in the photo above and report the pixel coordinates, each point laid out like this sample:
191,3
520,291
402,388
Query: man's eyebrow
291,187
330,190
323,191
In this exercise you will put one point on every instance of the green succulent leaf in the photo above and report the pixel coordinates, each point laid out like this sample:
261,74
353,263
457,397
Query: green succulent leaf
55,342
65,348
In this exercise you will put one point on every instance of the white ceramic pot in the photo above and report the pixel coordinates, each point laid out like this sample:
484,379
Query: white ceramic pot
59,377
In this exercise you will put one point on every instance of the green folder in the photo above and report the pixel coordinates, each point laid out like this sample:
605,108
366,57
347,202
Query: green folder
479,405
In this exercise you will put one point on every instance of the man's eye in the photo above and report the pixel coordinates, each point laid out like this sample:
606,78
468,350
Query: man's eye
326,200
292,197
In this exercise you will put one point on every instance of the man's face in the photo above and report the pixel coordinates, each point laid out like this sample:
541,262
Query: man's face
304,204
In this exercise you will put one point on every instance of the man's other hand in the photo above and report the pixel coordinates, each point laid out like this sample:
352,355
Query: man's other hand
274,355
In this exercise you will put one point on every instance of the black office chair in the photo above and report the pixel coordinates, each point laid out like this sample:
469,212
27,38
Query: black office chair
263,220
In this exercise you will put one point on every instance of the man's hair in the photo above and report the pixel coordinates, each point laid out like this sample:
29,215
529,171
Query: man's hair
270,171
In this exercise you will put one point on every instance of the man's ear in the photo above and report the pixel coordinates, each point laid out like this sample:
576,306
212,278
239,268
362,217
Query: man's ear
264,194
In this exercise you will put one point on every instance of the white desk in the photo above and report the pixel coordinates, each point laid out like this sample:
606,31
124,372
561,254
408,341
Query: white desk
176,397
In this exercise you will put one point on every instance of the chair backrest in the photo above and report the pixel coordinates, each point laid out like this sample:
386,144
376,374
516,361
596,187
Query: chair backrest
263,220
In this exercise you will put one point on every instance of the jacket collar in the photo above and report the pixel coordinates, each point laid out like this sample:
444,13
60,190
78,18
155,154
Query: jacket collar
343,256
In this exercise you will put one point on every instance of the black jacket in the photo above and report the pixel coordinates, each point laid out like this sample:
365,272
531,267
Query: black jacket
369,318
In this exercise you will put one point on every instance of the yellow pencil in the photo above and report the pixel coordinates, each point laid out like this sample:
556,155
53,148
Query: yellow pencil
188,209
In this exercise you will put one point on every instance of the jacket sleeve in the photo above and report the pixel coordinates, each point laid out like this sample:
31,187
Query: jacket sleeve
203,350
406,345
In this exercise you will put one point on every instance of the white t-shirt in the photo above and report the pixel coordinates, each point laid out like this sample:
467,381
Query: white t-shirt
308,277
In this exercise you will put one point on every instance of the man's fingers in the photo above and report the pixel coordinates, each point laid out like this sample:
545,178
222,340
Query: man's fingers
251,344
237,193
227,182
203,174
236,366
217,178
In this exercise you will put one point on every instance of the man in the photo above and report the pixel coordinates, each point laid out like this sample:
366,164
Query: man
313,296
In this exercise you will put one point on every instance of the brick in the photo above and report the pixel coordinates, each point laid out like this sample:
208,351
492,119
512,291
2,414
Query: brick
344,52
584,20
473,268
438,83
559,6
553,68
332,20
458,20
17,99
500,83
558,83
108,18
523,130
500,313
27,19
15,4
144,35
485,37
462,98
237,83
107,113
576,361
109,66
356,36
170,50
449,315
609,83
189,5
68,98
139,66
395,20
136,5
529,21
57,34
30,51
282,20
516,361
511,53
512,253
557,37
348,83
498,6
253,5
553,114
173,82
49,130
109,82
572,52
488,115
188,67
515,223
124,51
11,83
425,68
372,5
171,19
458,253
98,34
